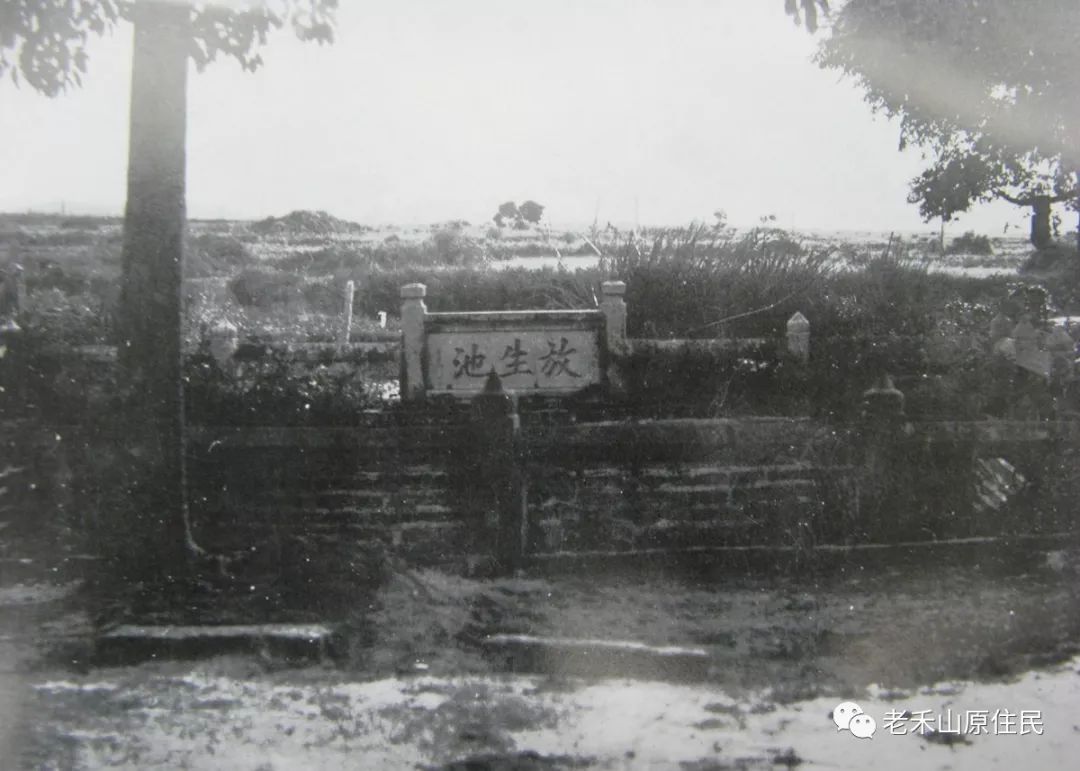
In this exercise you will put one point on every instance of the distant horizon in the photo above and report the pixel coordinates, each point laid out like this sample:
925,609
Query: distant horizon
928,229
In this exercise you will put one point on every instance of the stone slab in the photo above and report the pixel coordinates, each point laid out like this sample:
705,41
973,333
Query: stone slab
597,658
297,643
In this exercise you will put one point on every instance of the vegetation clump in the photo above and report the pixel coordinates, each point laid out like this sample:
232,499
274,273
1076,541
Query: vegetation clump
970,243
303,222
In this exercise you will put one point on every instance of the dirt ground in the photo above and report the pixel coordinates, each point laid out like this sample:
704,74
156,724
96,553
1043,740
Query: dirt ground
417,691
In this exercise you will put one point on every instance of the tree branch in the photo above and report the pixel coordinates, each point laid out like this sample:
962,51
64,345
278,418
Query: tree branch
1030,200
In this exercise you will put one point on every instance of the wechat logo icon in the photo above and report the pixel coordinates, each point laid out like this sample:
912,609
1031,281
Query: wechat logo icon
849,716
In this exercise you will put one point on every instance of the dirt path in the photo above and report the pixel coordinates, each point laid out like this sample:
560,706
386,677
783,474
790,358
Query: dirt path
418,693
12,687
25,609
214,716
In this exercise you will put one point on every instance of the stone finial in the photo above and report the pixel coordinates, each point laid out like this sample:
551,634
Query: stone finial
613,288
883,401
224,342
798,336
1025,337
1061,349
413,291
1001,326
1060,340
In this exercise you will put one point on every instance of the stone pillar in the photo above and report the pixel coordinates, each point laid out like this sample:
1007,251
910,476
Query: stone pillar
12,371
19,280
1000,327
798,337
1025,339
613,306
413,311
224,341
12,292
346,316
884,473
1062,350
496,450
883,404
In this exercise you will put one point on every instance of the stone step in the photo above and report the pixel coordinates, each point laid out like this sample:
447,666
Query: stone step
565,656
296,643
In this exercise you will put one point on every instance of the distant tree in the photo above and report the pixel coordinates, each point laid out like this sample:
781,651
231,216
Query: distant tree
986,88
531,212
508,210
43,43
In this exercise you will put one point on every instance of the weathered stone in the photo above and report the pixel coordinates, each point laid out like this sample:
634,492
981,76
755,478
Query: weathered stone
347,313
1000,327
597,658
798,336
295,642
883,401
224,342
413,311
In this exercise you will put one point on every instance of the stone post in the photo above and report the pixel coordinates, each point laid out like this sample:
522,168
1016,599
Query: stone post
798,337
1000,327
883,404
1025,338
1062,350
346,318
12,292
413,311
224,341
613,306
12,372
496,450
885,474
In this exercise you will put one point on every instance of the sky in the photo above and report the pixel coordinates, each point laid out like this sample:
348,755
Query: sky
638,112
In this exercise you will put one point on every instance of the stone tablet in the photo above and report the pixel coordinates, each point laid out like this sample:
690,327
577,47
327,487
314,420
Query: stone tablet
544,352
530,352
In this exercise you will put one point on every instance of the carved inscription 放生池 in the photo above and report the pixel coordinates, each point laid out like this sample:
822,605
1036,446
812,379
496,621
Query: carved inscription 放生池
524,360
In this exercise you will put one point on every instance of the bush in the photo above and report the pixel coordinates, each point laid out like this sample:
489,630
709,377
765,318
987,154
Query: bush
970,243
210,254
54,319
686,282
302,222
274,387
264,288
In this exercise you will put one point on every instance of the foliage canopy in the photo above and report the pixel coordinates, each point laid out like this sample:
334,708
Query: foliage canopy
44,42
987,88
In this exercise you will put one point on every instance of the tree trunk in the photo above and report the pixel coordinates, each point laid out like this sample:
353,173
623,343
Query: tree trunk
151,289
1040,222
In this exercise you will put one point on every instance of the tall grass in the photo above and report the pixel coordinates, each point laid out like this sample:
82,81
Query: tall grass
699,282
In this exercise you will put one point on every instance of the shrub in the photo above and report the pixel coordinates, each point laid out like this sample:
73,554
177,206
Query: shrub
274,387
970,243
210,254
83,222
686,282
54,318
302,222
264,288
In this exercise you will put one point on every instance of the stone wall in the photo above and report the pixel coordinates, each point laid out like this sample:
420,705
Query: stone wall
607,486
